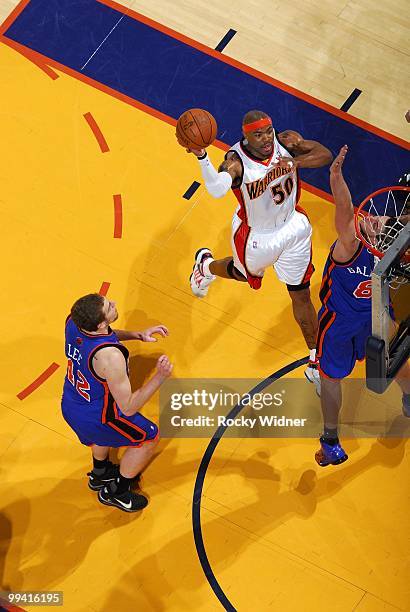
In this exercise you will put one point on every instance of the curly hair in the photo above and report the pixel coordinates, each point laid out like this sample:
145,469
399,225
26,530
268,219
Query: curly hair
87,312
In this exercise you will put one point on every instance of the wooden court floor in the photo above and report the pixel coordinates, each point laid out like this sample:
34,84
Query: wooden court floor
280,532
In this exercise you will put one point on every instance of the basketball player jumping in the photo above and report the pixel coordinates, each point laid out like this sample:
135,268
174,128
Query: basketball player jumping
268,228
98,403
345,317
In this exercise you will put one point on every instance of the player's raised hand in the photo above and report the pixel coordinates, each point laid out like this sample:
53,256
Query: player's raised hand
197,152
164,367
291,140
147,334
337,164
287,162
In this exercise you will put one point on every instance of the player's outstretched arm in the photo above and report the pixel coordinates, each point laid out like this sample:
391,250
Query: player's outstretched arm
112,367
307,153
344,215
218,183
147,335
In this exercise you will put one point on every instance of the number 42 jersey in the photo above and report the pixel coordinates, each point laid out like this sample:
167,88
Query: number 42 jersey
82,386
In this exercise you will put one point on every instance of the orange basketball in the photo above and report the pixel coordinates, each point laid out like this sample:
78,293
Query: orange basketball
196,129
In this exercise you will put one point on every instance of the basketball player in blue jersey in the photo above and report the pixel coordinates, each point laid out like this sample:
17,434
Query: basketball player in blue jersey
268,227
345,316
98,403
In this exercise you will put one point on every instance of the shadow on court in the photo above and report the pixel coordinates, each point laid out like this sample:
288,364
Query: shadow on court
261,518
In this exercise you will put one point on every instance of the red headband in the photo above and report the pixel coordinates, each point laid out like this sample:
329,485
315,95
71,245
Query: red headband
251,127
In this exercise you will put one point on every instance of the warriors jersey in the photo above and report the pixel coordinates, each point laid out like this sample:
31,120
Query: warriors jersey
267,194
346,287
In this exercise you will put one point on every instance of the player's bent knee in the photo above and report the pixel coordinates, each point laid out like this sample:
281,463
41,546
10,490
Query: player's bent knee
234,273
154,442
299,291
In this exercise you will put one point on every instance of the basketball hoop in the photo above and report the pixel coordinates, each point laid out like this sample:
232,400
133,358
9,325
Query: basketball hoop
379,220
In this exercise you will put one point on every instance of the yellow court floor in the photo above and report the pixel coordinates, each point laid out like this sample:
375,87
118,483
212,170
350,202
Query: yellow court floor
280,532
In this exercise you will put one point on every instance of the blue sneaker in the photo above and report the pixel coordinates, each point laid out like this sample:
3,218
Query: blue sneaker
330,455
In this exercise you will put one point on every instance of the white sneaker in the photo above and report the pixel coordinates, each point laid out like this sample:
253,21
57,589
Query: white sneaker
313,375
199,281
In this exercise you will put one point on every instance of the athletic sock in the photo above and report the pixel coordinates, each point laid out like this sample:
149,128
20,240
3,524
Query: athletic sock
312,355
122,484
205,267
99,467
330,436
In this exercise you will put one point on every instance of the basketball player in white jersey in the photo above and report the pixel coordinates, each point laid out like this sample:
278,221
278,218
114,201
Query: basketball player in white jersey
268,229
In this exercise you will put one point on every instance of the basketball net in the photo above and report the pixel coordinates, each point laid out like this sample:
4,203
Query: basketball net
379,220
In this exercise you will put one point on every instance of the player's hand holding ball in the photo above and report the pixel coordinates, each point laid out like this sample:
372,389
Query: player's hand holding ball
196,129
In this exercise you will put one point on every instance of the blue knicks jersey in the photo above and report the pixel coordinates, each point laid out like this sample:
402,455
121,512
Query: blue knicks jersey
83,388
346,286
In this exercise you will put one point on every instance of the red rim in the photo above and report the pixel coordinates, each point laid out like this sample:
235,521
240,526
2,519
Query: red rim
360,212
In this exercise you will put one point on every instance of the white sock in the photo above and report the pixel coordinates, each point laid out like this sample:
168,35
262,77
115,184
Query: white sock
205,267
312,355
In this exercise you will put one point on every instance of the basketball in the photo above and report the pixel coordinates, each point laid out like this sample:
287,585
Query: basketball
196,129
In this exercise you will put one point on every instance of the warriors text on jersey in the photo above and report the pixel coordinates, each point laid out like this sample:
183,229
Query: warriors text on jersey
268,194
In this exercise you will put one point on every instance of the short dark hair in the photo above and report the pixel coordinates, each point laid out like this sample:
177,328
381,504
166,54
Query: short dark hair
253,115
87,312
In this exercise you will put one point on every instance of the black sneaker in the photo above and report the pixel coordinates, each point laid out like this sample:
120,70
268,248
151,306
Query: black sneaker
128,501
96,483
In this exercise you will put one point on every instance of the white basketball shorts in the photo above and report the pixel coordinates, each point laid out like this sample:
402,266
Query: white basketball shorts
288,249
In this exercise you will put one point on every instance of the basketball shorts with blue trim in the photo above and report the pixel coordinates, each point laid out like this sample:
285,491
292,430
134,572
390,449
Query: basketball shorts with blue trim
341,342
119,431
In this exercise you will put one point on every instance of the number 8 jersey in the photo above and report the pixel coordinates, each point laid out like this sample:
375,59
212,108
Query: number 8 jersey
84,390
346,286
267,194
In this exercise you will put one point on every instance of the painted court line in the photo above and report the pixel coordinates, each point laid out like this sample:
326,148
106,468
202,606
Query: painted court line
104,288
102,42
117,216
38,381
97,132
350,100
225,40
146,109
200,478
191,190
31,56
256,73
13,16
108,35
